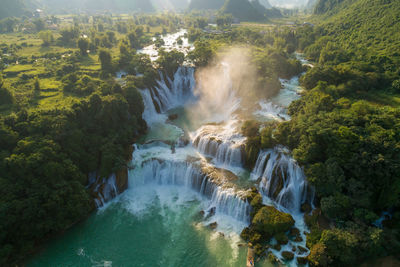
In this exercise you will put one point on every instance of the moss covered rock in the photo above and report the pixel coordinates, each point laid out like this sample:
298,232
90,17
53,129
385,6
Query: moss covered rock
302,260
259,250
281,238
277,247
270,221
302,249
288,255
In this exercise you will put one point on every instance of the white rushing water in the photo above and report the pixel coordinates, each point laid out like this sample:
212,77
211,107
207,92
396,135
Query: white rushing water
169,93
282,179
222,142
170,43
154,165
106,189
199,168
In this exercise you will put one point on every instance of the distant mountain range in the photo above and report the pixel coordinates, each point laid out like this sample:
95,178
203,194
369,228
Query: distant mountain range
244,10
311,5
251,10
14,8
206,4
288,3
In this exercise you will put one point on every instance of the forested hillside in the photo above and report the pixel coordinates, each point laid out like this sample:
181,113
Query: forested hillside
72,92
63,118
243,10
265,3
15,8
345,129
367,27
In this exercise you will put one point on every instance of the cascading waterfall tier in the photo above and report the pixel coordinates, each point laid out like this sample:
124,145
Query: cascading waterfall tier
104,189
222,142
282,179
169,93
206,180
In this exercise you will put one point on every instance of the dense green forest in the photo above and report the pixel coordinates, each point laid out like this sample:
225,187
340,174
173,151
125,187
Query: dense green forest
64,116
344,130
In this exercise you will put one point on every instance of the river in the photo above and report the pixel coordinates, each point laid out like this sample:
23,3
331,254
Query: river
185,205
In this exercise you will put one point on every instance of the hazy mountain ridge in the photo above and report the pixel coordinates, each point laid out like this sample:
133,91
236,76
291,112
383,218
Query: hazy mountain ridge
252,10
16,8
324,6
206,4
311,4
243,9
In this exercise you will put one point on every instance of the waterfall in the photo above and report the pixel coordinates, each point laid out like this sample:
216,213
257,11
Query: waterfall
282,179
150,114
165,172
224,153
222,142
169,93
106,189
271,111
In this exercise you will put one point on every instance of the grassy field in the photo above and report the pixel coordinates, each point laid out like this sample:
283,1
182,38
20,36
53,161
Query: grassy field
20,76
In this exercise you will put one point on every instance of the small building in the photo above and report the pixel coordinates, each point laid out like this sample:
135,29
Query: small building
38,13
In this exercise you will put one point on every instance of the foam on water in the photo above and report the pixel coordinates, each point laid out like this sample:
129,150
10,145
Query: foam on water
170,43
282,179
222,142
172,182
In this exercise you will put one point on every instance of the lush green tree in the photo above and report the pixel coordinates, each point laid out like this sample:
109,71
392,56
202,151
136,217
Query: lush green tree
169,62
69,35
47,37
83,44
40,25
202,54
6,96
105,60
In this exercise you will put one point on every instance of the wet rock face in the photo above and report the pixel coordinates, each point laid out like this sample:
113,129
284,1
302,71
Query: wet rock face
288,255
283,180
213,225
122,180
302,260
302,250
103,189
306,208
211,212
173,117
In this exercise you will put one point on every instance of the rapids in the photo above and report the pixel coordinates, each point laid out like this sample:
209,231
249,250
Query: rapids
185,204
